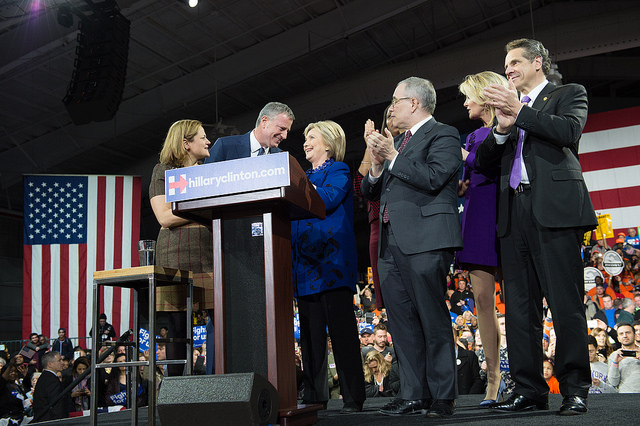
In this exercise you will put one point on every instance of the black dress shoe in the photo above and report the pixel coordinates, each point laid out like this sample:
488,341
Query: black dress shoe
400,407
519,403
441,408
572,405
351,407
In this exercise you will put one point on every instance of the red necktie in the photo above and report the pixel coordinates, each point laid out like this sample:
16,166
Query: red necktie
407,136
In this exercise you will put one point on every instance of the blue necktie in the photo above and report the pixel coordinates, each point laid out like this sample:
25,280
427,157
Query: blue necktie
516,167
261,151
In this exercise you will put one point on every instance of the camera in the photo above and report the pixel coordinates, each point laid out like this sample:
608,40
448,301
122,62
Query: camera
369,317
628,353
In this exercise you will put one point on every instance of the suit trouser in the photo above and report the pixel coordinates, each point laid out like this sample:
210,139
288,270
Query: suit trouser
542,262
331,309
413,287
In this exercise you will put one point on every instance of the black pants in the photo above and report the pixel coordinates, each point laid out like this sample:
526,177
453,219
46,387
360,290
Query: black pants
537,262
413,287
332,309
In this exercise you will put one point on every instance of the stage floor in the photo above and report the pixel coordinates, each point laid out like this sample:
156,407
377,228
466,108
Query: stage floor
603,409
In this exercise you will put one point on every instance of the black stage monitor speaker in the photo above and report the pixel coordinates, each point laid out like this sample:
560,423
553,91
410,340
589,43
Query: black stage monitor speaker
222,399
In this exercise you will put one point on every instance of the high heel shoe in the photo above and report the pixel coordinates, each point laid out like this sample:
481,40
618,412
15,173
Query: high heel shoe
486,403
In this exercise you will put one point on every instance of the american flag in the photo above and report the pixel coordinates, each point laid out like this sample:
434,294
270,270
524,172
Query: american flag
73,226
610,159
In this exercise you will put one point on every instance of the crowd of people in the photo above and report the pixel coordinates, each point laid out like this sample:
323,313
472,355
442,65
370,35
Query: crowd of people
49,380
611,371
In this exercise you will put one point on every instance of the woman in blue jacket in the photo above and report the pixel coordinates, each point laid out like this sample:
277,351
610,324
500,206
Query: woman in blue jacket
325,272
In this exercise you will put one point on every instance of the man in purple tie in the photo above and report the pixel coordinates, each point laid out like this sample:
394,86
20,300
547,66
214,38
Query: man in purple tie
415,178
544,210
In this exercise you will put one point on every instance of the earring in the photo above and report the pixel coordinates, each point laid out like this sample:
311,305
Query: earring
486,107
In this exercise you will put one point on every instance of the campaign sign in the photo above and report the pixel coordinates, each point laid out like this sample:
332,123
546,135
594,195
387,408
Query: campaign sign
119,399
227,177
199,335
590,274
143,340
296,327
612,263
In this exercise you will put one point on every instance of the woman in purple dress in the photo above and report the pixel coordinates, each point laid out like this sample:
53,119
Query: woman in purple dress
480,254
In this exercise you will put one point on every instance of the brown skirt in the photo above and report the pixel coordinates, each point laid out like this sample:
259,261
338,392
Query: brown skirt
188,248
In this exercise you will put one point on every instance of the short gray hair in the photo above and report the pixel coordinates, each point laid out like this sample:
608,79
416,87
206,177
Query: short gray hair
48,358
272,110
423,90
626,302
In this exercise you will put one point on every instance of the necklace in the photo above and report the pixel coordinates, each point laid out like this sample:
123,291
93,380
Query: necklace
321,167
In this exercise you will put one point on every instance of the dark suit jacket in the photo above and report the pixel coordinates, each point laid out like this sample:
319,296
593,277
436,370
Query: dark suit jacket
554,125
47,389
232,148
420,190
468,367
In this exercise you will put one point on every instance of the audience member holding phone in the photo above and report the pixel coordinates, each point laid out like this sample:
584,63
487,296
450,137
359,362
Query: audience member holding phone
624,363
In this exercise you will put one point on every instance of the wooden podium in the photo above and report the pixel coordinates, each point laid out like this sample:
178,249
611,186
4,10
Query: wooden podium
253,289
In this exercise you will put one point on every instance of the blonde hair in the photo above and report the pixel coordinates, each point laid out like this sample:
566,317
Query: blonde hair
333,137
473,88
384,366
173,151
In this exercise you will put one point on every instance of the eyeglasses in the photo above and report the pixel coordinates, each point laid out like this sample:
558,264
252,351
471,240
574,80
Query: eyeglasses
394,101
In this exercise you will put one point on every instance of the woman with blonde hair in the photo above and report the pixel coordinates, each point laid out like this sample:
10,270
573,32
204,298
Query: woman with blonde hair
325,272
377,372
182,244
480,255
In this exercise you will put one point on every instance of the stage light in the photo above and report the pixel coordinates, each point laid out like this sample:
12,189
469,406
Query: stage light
193,3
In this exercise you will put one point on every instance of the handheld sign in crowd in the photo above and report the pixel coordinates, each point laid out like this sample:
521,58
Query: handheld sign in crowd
296,327
227,177
590,274
143,340
199,337
612,263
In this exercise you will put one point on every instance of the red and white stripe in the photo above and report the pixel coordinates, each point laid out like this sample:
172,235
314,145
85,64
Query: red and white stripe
58,278
610,159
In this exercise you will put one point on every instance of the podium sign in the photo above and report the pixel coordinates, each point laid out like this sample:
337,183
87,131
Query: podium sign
252,270
227,177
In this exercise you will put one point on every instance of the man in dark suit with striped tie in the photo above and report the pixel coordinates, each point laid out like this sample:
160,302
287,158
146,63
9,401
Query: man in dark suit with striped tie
415,178
272,126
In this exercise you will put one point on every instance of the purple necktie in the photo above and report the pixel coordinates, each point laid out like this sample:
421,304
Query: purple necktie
516,167
407,136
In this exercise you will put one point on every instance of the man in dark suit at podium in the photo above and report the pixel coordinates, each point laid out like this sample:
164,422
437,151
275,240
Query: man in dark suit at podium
272,127
273,124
